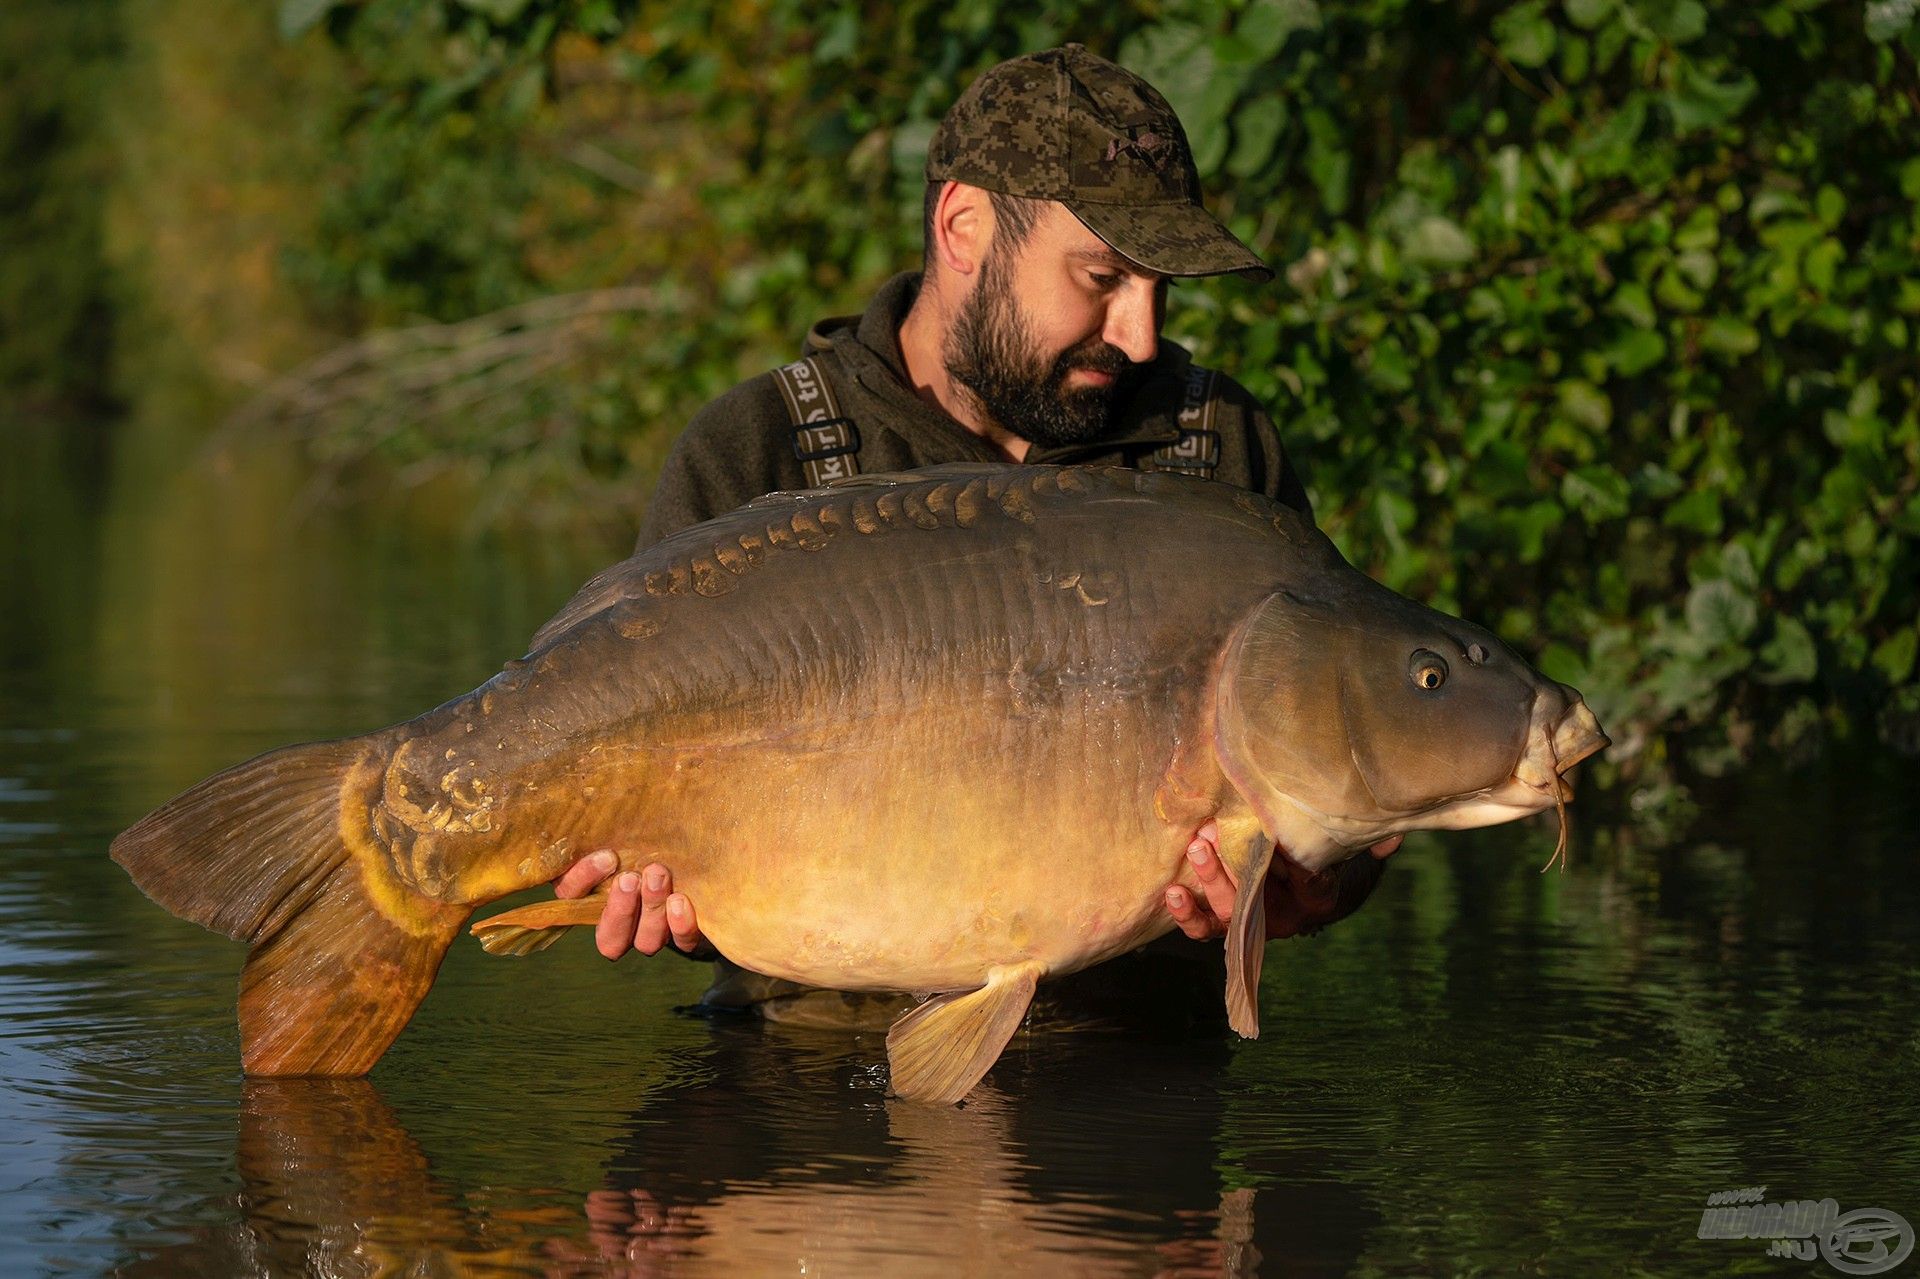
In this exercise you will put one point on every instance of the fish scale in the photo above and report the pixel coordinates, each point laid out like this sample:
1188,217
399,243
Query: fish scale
948,732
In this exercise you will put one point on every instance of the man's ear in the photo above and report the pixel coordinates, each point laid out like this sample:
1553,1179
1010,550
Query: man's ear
962,226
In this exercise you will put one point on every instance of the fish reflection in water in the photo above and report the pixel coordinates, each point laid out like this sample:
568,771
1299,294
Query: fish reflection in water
726,1175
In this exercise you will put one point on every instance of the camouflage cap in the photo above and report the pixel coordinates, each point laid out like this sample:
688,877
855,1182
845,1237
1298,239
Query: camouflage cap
1065,124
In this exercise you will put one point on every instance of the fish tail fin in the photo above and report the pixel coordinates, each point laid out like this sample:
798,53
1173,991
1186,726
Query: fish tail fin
342,951
531,929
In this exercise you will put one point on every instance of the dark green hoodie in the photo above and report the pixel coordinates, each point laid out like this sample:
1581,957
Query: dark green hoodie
741,445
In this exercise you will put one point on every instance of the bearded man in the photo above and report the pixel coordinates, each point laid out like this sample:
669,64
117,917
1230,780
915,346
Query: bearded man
1061,201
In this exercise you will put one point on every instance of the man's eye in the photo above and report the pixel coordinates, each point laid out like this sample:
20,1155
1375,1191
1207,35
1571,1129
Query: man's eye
1103,281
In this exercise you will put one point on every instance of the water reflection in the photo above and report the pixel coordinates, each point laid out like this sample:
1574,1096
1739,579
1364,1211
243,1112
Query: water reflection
786,1157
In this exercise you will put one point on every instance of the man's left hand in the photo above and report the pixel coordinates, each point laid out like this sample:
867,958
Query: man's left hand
1298,900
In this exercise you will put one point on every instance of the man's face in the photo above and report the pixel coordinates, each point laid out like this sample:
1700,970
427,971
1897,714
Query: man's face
1053,330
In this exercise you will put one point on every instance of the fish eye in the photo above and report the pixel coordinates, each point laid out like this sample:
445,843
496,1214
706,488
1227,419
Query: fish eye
1428,670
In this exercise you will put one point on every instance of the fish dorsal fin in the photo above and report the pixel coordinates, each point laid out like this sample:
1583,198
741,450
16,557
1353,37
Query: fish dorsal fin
610,586
928,474
940,1050
782,498
886,479
602,591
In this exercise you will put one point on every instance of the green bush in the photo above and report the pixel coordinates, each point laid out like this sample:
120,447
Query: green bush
1598,319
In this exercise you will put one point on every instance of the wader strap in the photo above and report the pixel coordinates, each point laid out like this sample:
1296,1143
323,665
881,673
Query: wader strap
827,445
1197,451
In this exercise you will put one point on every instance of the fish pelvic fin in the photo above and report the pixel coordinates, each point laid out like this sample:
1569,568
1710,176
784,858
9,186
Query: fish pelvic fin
531,929
940,1050
276,852
1247,934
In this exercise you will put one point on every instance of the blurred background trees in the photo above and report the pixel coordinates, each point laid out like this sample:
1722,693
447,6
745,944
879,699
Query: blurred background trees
1598,319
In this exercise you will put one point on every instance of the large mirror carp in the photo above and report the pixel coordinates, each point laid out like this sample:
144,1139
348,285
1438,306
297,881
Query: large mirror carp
947,732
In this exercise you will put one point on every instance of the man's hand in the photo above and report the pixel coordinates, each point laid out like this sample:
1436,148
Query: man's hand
1206,915
1298,901
642,910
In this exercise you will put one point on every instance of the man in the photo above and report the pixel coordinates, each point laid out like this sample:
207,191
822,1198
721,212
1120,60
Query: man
1061,200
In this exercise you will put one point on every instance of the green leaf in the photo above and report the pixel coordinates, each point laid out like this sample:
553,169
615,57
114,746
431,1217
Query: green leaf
1599,493
1719,613
1437,241
1266,24
1586,404
1890,19
1700,102
1525,34
1588,14
839,37
1830,205
1631,303
1176,58
1206,123
297,17
1894,656
1609,146
1820,265
1698,511
1733,338
1678,22
500,12
1635,351
1256,134
1557,661
1328,161
1789,656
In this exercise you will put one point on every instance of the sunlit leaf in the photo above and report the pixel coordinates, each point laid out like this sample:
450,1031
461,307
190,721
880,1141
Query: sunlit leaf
299,16
1698,101
1266,24
1525,34
1719,613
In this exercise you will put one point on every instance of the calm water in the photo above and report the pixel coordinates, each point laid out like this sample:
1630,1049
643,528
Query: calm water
1486,1071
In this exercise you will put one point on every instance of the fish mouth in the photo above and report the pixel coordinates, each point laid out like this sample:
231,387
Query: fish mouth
1576,737
1562,737
1556,749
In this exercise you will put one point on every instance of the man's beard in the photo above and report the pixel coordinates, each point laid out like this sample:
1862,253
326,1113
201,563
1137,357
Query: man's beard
989,352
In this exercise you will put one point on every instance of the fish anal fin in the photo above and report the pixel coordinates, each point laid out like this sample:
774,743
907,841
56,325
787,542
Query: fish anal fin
940,1050
530,929
328,992
1247,934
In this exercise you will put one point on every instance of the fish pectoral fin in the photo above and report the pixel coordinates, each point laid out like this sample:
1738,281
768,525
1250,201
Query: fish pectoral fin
939,1051
531,929
1247,934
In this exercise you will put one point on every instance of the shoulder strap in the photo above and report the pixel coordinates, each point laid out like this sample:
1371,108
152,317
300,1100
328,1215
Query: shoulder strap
826,444
1197,451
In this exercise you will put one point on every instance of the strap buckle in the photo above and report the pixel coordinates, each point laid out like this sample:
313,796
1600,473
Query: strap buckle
829,437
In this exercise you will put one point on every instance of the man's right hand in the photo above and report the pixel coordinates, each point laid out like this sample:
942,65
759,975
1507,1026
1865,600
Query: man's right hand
642,910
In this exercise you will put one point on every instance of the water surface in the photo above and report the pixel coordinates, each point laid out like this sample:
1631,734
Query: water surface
1485,1071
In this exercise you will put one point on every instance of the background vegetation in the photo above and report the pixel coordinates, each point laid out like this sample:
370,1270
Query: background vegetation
1598,318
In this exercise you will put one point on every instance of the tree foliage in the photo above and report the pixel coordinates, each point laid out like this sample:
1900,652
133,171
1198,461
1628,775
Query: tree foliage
1598,318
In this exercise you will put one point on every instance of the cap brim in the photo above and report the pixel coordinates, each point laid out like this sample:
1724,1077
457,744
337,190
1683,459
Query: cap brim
1172,239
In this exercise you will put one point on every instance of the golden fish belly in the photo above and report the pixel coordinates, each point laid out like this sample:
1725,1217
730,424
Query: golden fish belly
918,852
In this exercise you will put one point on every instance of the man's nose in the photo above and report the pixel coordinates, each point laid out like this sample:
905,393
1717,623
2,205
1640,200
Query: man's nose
1133,322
